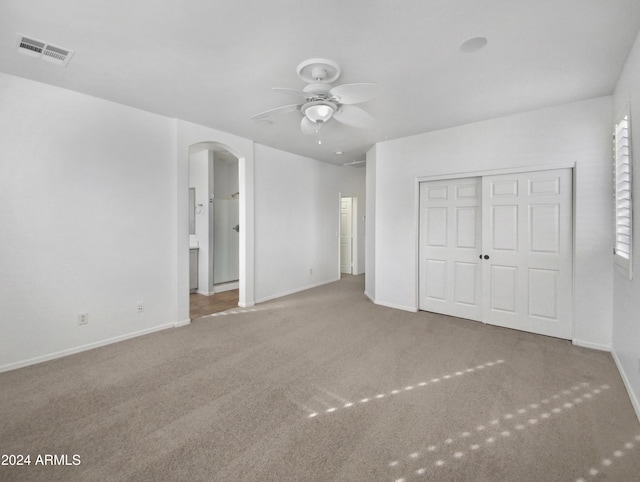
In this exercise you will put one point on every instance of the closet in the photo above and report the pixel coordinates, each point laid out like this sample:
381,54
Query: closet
498,249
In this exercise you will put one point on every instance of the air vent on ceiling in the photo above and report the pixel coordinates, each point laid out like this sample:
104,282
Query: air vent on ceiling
44,51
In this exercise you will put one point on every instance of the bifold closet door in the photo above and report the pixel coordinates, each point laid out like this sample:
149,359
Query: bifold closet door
527,251
449,267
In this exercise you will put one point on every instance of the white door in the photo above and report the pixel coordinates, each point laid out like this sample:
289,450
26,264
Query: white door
499,249
346,234
450,268
527,251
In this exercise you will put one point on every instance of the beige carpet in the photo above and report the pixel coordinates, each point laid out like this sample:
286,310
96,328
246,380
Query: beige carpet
324,386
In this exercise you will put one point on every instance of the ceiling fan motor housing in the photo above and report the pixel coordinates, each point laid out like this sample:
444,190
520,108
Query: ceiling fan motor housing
317,91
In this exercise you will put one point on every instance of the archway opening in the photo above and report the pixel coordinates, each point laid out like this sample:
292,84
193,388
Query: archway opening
214,229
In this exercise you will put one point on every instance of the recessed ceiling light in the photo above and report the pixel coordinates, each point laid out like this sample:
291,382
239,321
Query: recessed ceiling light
339,153
473,45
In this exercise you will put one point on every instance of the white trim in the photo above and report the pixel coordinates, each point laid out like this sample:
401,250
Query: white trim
368,295
222,287
496,172
593,346
627,384
416,232
296,290
245,305
186,322
397,307
203,293
90,346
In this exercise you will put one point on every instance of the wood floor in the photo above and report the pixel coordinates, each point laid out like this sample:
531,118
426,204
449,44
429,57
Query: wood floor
201,305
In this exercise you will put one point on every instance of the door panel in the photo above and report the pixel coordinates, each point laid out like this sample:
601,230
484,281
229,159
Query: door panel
503,287
449,247
505,228
466,275
436,227
543,293
466,234
528,238
545,228
436,280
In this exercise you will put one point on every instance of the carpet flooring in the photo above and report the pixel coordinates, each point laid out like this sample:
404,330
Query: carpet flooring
323,385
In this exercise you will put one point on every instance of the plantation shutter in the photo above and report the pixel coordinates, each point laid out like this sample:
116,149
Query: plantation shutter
623,205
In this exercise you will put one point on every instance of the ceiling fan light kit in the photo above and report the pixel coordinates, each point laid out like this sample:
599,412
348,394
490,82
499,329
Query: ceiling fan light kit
319,111
323,102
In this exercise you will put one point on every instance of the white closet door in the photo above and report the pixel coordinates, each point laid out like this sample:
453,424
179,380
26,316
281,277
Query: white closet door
449,266
527,237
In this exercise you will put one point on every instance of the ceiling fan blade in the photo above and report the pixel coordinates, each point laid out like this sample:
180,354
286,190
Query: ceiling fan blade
355,93
308,128
277,111
286,90
353,116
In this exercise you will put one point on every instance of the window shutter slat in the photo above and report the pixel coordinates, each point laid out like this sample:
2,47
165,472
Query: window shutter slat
622,192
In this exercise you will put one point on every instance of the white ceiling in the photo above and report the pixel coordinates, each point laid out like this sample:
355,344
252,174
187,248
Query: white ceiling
213,62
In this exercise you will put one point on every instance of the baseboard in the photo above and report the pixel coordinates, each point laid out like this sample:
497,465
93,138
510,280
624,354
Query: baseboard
593,346
90,346
234,285
297,290
368,295
178,324
204,293
412,309
246,305
634,400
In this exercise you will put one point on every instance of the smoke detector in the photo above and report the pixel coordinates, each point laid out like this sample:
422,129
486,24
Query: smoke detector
43,50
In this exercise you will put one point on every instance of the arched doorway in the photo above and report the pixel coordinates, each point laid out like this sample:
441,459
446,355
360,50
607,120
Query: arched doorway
214,229
187,135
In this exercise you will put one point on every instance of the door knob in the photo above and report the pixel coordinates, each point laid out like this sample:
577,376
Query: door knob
486,256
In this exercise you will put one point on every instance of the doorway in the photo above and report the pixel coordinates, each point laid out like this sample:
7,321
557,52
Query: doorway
498,249
348,234
214,231
226,224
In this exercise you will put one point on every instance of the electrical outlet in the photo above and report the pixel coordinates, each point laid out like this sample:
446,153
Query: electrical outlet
83,318
140,306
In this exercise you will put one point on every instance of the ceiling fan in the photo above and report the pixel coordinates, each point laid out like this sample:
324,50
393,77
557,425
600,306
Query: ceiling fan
320,102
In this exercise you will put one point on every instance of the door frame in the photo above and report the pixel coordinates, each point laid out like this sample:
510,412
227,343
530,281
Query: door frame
354,232
494,172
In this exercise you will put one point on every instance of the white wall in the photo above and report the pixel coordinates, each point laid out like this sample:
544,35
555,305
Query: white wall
94,213
579,133
297,205
626,302
88,221
370,227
